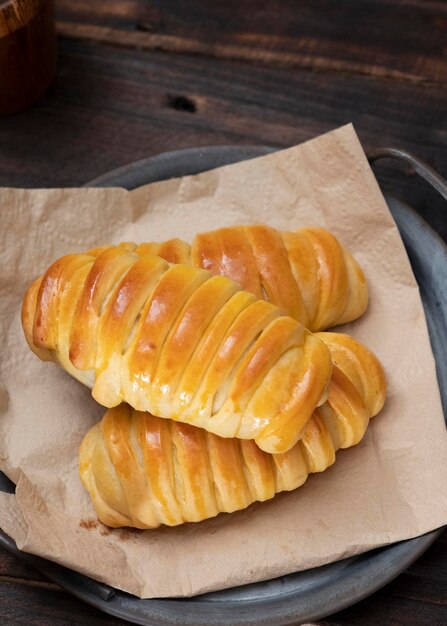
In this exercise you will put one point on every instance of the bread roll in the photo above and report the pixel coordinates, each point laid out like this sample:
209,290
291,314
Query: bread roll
144,471
307,273
178,342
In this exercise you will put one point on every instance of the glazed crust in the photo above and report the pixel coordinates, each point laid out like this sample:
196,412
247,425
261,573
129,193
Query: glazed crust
144,471
307,273
178,342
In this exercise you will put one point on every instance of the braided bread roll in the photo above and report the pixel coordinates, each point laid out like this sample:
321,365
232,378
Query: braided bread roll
307,273
178,342
144,471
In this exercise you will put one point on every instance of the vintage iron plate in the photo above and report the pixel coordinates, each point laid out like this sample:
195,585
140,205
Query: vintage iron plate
314,593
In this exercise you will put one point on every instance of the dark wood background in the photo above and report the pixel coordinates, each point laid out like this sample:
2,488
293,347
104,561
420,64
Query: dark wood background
137,78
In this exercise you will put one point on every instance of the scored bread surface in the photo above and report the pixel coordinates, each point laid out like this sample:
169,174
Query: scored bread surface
307,273
144,471
178,342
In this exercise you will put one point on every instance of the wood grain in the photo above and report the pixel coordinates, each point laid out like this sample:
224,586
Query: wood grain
400,40
110,106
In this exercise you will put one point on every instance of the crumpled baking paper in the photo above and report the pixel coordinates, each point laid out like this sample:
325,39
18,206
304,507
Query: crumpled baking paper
391,486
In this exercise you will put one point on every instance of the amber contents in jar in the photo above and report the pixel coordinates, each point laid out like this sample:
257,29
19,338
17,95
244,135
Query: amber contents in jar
27,52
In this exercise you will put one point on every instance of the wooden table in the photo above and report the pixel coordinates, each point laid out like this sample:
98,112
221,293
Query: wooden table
137,78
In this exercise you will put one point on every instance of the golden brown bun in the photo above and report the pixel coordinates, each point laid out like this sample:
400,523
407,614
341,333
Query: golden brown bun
178,342
307,273
144,471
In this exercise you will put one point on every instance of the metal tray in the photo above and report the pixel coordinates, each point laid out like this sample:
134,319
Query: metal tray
314,593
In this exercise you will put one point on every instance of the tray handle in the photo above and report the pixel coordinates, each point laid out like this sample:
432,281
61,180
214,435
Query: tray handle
428,173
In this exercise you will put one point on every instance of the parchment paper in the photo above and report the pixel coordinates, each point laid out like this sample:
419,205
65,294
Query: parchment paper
390,487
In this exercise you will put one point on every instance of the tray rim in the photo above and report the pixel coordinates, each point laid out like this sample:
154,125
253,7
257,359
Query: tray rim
157,163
